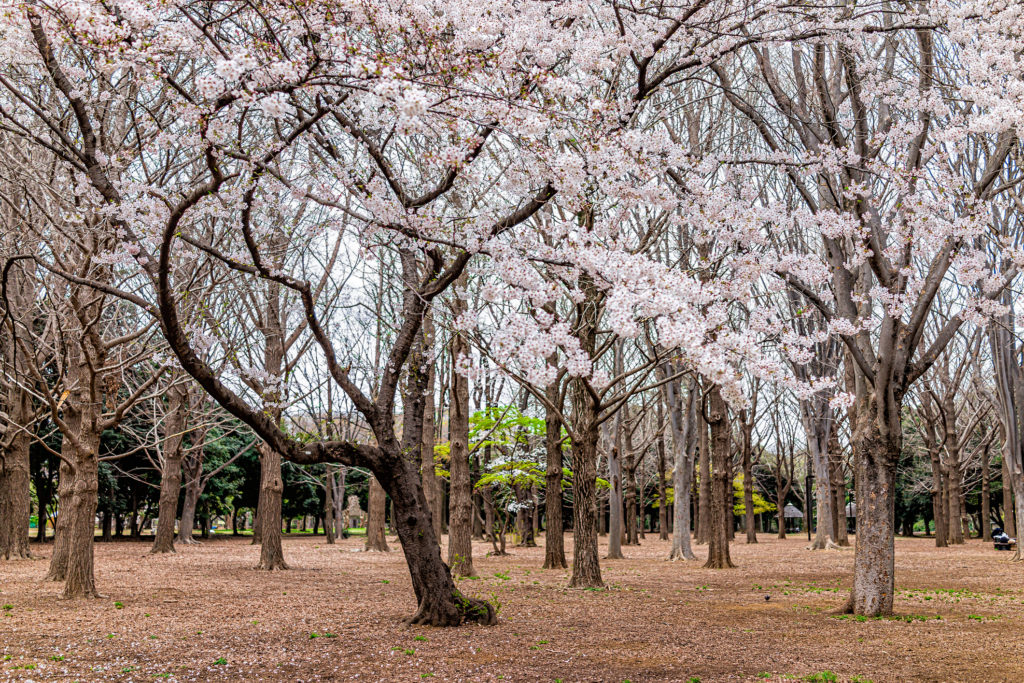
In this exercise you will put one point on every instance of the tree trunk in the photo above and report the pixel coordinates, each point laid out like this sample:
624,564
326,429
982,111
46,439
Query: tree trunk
816,416
78,492
272,488
704,483
73,541
631,495
340,520
170,473
683,426
15,481
682,481
615,531
80,581
956,535
986,497
748,493
329,504
15,471
524,519
663,505
431,483
133,521
586,569
780,510
44,505
376,508
193,470
839,488
439,602
554,538
938,505
730,499
478,526
721,489
1009,525
874,561
61,539
460,497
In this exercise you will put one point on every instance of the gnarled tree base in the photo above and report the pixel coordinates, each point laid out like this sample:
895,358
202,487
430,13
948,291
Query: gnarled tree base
827,545
90,593
719,563
677,555
434,611
276,565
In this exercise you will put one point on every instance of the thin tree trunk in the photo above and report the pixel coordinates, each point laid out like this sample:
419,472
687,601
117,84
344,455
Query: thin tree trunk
956,535
1009,525
748,489
554,538
478,526
938,497
663,505
431,483
704,484
631,494
44,504
839,488
614,503
340,521
779,498
329,504
193,470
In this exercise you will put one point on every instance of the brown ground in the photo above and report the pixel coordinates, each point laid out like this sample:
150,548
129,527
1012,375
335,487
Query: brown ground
657,621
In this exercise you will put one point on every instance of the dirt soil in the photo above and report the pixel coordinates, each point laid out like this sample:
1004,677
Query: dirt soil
205,614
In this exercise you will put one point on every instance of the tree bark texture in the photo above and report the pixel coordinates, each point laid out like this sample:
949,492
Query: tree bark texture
682,420
170,472
272,488
554,537
376,508
460,500
721,489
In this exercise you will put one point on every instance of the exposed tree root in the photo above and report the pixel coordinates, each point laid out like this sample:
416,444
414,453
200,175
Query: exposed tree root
829,545
461,610
680,556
